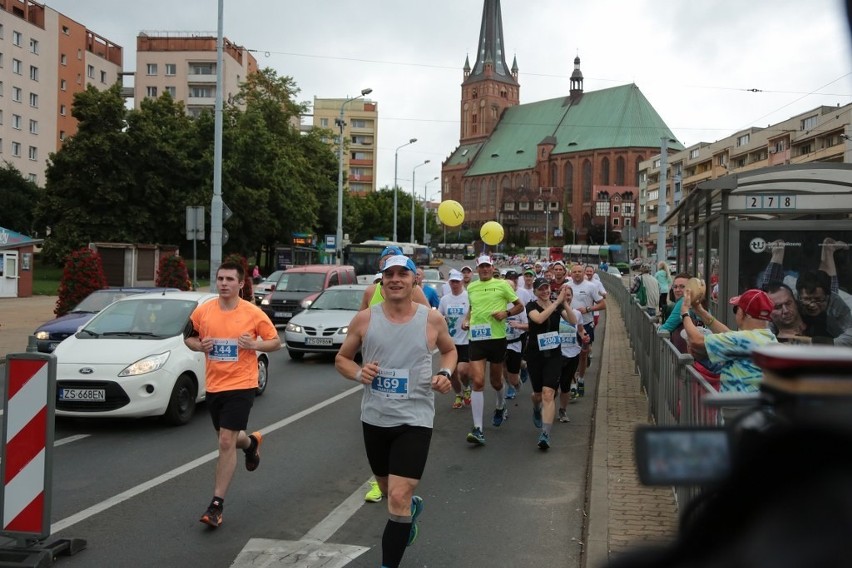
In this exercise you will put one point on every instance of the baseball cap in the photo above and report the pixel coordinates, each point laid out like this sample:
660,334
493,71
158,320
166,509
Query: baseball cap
511,274
755,303
559,263
526,265
484,259
455,275
391,249
400,260
529,271
539,282
465,267
377,277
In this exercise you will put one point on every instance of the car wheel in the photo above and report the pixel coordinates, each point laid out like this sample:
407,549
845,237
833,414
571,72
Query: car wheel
295,355
182,402
262,375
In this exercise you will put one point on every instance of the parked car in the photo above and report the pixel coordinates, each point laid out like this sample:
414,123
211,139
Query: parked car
432,274
322,327
130,361
49,335
266,286
299,286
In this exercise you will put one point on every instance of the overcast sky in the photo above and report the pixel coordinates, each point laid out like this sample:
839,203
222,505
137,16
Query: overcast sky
694,61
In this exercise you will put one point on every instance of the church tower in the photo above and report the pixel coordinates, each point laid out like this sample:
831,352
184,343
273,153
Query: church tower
490,86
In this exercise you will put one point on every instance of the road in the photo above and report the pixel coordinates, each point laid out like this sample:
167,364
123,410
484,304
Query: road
134,489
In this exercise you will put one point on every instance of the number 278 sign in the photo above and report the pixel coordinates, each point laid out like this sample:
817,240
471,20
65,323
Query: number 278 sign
770,202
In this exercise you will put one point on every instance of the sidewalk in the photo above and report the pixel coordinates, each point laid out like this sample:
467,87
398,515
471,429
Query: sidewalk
19,318
623,513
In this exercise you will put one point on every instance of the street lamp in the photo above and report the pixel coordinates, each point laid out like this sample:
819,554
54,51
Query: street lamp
603,210
426,199
395,169
338,242
411,240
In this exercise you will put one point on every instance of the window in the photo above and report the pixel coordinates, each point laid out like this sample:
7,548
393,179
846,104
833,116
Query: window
17,94
90,71
34,46
804,149
359,123
63,84
323,123
34,100
33,126
16,149
33,153
16,66
33,72
79,54
33,178
16,121
62,110
65,30
202,92
202,68
172,91
150,91
63,59
62,135
809,123
17,38
103,76
1,31
152,69
694,153
171,69
1,117
742,140
1,60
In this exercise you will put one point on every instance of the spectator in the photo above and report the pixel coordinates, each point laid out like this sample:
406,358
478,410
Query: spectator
787,323
664,281
646,289
826,314
673,322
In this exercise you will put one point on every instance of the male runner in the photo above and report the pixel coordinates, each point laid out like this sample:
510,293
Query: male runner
455,307
587,299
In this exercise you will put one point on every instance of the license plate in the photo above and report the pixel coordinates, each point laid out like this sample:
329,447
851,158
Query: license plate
88,395
283,314
318,341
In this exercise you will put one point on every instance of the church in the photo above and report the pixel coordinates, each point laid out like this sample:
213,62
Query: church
557,171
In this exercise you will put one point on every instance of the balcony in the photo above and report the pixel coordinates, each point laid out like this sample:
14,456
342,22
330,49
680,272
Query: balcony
205,79
201,101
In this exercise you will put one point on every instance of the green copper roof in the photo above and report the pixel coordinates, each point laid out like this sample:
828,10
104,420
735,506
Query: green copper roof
464,154
618,117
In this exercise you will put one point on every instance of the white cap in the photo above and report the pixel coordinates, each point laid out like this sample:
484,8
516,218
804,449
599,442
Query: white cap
378,276
484,259
455,275
400,260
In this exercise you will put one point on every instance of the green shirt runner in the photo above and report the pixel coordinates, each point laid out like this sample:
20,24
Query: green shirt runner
487,297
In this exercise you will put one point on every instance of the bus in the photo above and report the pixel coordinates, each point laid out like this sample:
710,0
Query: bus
365,256
550,254
455,251
595,254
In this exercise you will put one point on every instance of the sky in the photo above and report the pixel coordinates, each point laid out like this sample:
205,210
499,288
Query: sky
698,63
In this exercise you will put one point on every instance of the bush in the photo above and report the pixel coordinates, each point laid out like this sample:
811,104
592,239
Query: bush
82,275
247,292
172,273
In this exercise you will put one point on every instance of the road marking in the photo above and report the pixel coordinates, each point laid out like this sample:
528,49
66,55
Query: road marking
70,439
169,475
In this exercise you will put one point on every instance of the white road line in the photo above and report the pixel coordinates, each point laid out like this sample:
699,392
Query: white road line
338,517
69,439
159,480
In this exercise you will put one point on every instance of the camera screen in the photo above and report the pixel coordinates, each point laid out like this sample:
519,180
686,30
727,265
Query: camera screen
682,456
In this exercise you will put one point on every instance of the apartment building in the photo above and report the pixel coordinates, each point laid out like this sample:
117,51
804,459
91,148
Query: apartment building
822,134
360,133
184,65
45,58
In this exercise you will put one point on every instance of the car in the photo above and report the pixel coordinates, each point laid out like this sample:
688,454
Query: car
267,285
431,274
614,271
130,361
437,285
299,286
322,327
48,335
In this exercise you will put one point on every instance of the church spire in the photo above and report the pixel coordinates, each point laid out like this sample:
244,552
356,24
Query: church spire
490,53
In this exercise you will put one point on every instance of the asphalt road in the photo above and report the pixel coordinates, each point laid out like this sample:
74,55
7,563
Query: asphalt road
134,489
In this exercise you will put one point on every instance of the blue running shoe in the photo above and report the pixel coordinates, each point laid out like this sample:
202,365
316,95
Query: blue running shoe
416,509
510,392
537,417
476,436
500,414
544,441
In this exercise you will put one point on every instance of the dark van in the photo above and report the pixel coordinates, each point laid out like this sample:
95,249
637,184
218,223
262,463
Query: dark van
299,286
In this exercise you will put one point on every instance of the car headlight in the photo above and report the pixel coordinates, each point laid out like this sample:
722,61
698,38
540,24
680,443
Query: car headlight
42,335
146,365
266,300
293,328
343,330
306,304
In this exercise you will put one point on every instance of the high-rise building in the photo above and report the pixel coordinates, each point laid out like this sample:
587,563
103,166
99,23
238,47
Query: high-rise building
184,65
45,58
360,132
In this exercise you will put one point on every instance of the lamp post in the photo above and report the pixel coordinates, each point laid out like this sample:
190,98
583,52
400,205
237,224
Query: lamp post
338,241
413,192
603,210
425,200
395,170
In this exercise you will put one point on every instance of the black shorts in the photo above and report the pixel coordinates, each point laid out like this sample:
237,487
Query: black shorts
230,409
569,368
398,450
463,352
544,371
513,361
492,350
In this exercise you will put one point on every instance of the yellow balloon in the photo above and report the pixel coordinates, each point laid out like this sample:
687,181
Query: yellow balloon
491,233
451,213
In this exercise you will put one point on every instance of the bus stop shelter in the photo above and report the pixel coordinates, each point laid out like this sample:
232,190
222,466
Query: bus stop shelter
728,229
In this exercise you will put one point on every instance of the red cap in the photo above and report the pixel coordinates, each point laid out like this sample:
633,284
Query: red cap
755,303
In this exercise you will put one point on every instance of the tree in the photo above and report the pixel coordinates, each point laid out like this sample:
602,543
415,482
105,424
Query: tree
18,196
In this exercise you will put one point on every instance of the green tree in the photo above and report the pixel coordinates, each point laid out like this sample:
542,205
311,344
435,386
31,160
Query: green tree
18,196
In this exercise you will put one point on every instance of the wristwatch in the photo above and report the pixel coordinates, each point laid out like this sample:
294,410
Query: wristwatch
445,372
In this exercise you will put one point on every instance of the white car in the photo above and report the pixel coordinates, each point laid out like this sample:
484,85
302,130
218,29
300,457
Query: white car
323,326
130,361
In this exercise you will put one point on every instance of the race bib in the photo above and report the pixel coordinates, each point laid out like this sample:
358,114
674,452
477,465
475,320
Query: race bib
512,333
480,332
454,315
391,383
224,350
547,341
567,333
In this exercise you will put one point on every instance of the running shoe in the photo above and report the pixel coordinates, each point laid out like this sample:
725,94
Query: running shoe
476,436
374,495
525,374
212,516
457,403
500,414
466,396
537,417
416,509
563,415
511,392
574,394
581,388
544,441
253,457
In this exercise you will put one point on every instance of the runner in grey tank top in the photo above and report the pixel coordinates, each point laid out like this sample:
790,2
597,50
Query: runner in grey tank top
402,391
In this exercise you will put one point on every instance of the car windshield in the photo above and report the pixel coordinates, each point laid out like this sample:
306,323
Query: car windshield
301,282
153,317
338,299
96,301
273,278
